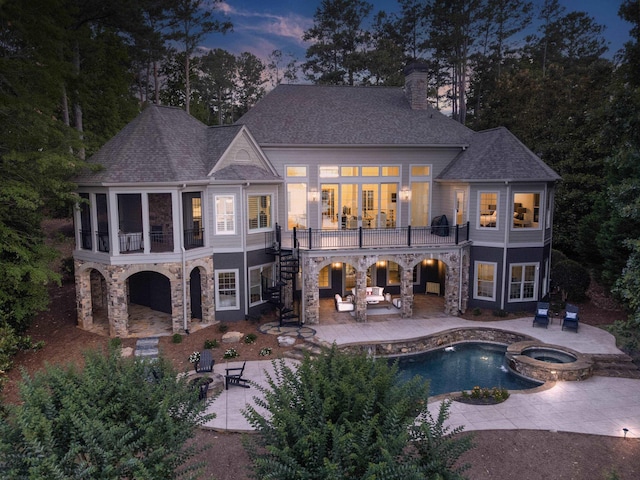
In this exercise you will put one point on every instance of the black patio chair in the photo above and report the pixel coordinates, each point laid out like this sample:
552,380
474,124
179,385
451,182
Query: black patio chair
205,364
571,319
541,317
234,377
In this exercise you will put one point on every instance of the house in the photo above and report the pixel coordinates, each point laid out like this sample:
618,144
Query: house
317,190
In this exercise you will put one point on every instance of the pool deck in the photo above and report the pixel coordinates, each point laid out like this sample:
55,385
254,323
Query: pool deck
598,405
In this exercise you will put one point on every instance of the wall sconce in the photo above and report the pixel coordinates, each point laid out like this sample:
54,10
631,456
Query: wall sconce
381,263
337,265
313,196
405,194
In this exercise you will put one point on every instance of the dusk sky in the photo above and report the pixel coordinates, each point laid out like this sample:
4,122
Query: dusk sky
262,26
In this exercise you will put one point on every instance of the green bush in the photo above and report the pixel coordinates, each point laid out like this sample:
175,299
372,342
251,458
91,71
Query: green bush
115,342
176,338
477,311
250,338
572,278
500,313
209,344
344,416
223,328
115,418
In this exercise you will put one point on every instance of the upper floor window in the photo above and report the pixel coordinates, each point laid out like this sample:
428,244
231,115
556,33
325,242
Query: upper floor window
297,171
420,171
488,209
526,210
260,216
225,215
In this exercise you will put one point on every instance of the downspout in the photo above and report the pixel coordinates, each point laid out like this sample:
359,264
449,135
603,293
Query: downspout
243,235
504,248
460,283
184,260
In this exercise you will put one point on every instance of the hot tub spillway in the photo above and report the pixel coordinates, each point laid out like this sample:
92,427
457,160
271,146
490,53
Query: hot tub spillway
548,362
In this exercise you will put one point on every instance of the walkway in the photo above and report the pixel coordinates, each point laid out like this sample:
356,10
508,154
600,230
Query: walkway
599,405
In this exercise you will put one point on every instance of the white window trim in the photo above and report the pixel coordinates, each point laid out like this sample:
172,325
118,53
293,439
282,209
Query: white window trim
233,215
249,284
535,282
475,281
479,211
217,273
540,209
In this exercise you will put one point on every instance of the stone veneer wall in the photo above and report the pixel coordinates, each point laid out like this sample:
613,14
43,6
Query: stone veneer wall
115,279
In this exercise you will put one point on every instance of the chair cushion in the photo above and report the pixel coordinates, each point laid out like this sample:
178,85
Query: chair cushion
543,311
571,315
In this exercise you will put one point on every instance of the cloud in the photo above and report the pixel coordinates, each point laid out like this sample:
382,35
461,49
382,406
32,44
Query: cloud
290,26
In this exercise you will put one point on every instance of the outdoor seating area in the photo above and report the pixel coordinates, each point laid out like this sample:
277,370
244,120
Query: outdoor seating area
373,294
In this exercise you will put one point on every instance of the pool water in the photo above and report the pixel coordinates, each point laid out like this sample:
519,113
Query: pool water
548,355
466,366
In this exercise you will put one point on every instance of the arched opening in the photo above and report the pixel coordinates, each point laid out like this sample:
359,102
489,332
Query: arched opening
195,294
149,304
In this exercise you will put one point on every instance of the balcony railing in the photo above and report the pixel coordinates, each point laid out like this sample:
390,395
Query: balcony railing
193,238
316,239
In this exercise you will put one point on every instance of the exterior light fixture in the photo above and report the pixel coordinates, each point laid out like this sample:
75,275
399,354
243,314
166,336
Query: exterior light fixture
313,196
405,194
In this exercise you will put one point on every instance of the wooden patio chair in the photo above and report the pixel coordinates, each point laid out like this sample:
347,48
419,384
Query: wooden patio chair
205,364
234,377
542,315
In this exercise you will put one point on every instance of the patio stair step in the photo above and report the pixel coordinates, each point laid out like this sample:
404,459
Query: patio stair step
615,366
147,347
301,349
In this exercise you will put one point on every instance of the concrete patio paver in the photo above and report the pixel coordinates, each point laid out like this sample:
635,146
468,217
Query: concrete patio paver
598,405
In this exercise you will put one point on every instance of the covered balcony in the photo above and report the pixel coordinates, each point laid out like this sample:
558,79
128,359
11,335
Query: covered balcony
146,222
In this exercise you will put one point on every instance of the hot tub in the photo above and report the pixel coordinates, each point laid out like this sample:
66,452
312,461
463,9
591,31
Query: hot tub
546,362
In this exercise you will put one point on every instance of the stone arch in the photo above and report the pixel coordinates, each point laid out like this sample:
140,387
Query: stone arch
92,296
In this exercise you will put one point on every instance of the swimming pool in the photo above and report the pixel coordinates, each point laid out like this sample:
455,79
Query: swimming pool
463,367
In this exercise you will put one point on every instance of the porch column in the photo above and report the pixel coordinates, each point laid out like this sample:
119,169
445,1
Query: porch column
177,305
406,293
361,293
310,293
118,304
452,285
84,307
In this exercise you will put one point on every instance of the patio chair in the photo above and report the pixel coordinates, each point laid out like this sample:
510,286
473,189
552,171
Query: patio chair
571,319
542,315
234,377
205,364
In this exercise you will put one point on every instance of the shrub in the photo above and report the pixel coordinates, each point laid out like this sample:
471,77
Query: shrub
115,342
477,311
500,313
265,351
115,418
348,416
176,338
209,344
223,328
250,338
231,353
486,395
572,279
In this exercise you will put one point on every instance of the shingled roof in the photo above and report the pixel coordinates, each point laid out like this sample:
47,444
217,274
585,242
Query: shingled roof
497,155
162,144
343,115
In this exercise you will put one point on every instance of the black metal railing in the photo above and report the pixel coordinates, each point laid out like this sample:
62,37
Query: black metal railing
161,242
193,238
102,239
86,239
316,239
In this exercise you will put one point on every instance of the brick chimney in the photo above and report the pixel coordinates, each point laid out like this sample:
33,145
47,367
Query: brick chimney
416,82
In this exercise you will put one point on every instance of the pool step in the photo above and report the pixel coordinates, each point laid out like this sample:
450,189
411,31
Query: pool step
615,366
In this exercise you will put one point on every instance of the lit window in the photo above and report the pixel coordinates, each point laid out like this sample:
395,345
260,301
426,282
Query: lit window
259,212
522,286
390,171
227,290
324,277
296,171
370,171
526,210
329,172
296,205
488,210
225,215
257,276
393,273
485,284
349,171
420,171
